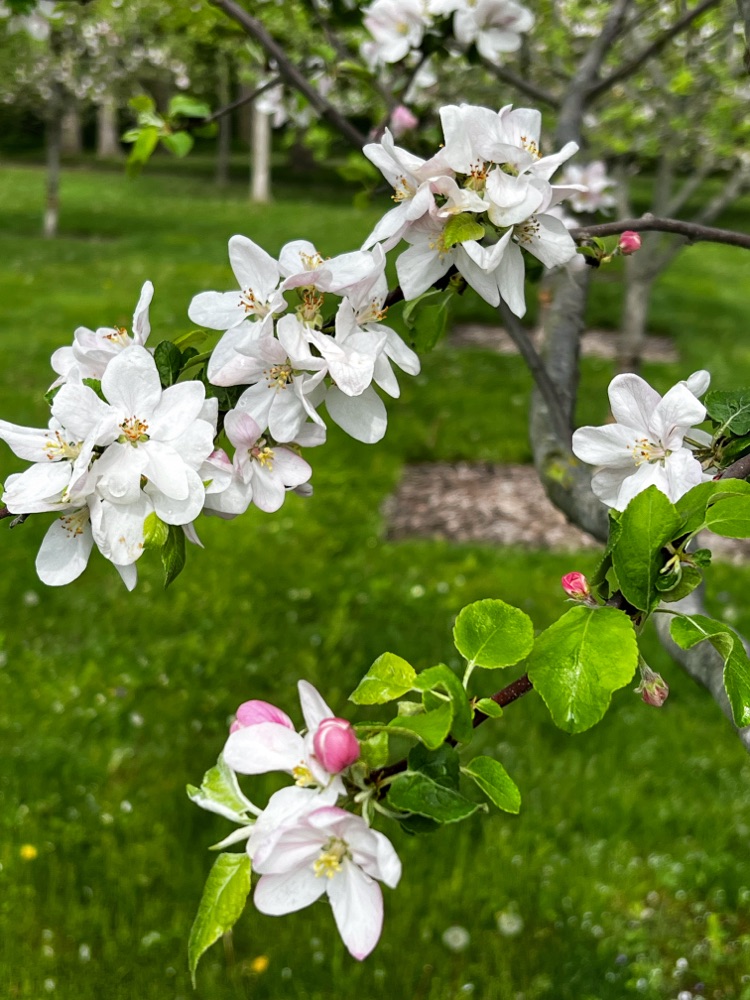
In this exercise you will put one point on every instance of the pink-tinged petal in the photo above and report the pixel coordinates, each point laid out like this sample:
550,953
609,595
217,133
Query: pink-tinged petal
290,468
265,747
610,445
179,511
372,851
65,549
131,382
285,809
178,407
357,904
80,411
674,415
241,429
253,267
30,443
276,895
268,490
314,708
141,324
192,535
251,713
233,500
633,401
217,310
336,745
363,417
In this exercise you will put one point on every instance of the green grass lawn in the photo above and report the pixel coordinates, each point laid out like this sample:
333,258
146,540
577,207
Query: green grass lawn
627,872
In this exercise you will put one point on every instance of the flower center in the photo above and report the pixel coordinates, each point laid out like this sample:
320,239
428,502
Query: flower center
133,431
303,775
645,451
477,176
311,261
251,305
526,232
261,453
328,863
402,189
373,312
279,376
118,335
76,522
438,243
312,303
531,147
60,448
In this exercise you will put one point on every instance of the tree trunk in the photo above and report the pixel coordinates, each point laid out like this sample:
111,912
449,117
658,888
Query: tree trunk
245,115
224,141
53,139
107,133
260,183
71,138
638,286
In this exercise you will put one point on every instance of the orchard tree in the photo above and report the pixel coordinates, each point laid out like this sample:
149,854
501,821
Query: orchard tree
144,439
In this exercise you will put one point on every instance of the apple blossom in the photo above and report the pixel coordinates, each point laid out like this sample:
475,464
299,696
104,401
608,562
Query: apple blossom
335,745
495,26
597,193
629,243
645,446
396,27
653,688
576,585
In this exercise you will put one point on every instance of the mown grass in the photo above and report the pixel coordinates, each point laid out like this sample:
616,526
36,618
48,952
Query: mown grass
629,857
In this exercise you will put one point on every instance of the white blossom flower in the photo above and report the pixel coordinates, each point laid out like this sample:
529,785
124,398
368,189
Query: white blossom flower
598,186
645,447
396,27
495,26
334,852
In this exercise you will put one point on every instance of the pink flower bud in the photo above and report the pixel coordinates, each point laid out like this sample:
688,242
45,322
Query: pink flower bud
576,585
335,745
402,120
653,688
629,242
252,713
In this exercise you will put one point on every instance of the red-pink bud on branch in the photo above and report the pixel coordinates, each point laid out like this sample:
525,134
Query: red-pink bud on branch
576,586
629,242
653,688
335,745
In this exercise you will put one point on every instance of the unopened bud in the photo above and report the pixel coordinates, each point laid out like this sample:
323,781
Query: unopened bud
253,713
653,688
629,242
576,586
335,745
402,121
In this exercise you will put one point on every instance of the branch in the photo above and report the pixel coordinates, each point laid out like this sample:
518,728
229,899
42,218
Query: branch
651,50
737,470
693,232
253,27
520,84
245,99
534,363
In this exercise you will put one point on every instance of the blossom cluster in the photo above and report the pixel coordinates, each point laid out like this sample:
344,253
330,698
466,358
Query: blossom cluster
303,844
476,204
397,27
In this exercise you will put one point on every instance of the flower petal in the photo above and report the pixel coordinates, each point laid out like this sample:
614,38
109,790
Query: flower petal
357,904
262,748
364,417
288,892
65,549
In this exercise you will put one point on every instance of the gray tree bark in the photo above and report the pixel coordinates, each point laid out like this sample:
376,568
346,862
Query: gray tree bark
71,137
260,180
107,134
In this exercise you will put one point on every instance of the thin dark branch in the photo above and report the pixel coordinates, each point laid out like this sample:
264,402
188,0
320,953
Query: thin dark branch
691,231
535,364
737,470
290,72
522,85
245,99
651,50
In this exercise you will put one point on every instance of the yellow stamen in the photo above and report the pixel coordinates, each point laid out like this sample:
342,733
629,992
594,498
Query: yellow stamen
133,431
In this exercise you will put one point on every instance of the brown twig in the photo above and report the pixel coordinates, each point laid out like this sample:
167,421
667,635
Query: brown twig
692,231
737,470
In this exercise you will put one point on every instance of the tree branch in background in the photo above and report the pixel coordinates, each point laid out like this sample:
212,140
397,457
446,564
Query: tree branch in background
523,86
253,27
680,25
245,99
693,232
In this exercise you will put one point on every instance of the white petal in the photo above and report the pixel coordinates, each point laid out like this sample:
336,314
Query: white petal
179,511
80,411
65,549
357,904
141,325
698,382
314,708
551,243
118,529
419,267
128,574
632,401
30,443
228,364
37,488
610,445
364,417
119,470
675,414
178,407
265,747
131,382
511,277
268,490
217,310
253,267
276,895
165,469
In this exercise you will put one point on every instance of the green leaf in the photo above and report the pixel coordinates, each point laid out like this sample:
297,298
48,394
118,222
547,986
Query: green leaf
168,360
462,227
579,661
491,633
179,143
489,708
426,317
431,728
142,149
142,104
730,517
173,554
155,532
688,630
96,385
649,521
220,793
731,410
441,765
495,782
193,338
374,751
694,504
417,793
443,677
388,678
689,579
188,107
223,900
